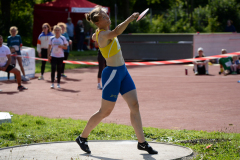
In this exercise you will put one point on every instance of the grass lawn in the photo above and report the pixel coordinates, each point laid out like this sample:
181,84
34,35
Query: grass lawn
27,129
73,55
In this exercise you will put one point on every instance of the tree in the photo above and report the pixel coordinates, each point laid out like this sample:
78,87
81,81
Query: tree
5,15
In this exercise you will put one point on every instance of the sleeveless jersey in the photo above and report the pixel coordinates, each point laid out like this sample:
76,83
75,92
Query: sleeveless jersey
111,49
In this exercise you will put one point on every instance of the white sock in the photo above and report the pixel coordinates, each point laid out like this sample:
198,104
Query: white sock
99,84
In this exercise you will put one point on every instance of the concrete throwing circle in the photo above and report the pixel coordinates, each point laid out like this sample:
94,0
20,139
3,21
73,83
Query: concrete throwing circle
101,150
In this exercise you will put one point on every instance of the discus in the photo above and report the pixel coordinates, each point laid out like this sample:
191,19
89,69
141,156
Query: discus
142,15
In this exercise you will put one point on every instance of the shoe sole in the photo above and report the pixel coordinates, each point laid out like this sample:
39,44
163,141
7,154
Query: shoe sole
76,140
22,89
146,150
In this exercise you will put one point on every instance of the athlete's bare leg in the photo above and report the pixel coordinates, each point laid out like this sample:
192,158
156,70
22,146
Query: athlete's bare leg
18,75
132,101
104,111
21,66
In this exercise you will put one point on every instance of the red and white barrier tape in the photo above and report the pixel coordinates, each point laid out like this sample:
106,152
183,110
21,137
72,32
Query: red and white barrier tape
150,62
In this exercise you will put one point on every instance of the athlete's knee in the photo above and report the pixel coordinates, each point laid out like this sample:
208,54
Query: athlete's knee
134,107
105,113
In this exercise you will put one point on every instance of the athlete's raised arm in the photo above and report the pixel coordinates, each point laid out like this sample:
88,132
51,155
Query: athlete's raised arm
120,28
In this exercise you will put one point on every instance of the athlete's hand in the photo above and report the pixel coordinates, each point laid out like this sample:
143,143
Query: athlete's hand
39,55
133,17
49,59
70,42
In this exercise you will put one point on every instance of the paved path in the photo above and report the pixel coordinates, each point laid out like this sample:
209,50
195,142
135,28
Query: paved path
104,150
168,98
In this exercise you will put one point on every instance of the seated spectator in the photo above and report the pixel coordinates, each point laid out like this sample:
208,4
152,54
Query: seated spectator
225,64
235,64
5,63
200,67
13,59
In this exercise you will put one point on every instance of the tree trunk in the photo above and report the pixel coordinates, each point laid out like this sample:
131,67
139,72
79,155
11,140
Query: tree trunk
192,3
126,13
5,7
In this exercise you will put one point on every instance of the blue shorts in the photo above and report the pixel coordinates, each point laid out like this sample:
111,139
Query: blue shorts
115,80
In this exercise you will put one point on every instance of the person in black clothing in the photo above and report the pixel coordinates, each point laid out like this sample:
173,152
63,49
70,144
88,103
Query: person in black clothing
101,66
200,67
80,36
230,27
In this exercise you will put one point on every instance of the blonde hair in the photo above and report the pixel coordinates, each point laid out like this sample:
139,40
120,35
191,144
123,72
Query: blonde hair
13,27
55,27
48,25
64,25
94,15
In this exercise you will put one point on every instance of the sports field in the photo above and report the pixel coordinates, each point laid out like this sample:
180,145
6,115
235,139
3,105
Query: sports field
168,98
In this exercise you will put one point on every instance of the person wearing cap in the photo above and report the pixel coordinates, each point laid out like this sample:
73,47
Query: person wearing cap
225,64
80,36
200,67
70,28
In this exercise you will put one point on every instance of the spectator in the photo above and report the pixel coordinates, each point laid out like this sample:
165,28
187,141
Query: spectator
92,43
230,27
101,65
225,64
5,63
70,28
66,51
200,67
79,31
235,64
13,59
15,41
56,54
42,46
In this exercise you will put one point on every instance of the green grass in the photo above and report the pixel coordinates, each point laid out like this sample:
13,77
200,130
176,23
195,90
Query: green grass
73,55
27,129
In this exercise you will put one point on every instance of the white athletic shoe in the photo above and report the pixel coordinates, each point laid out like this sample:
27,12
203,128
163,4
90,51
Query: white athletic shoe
52,86
58,85
99,87
41,78
24,78
196,73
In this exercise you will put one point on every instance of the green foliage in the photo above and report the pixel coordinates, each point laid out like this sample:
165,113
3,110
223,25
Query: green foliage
168,16
19,13
27,129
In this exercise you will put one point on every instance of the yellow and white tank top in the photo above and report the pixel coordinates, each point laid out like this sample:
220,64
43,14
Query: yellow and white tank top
111,49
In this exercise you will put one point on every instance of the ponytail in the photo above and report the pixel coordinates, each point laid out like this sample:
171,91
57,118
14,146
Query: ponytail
88,17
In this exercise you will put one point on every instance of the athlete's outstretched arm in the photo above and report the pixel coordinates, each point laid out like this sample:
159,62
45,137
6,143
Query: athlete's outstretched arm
120,28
